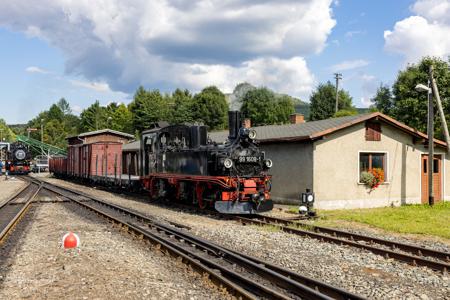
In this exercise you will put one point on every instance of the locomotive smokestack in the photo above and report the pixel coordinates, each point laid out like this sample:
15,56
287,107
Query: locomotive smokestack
234,124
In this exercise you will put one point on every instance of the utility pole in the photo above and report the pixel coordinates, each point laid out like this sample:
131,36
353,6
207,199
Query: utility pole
337,76
436,95
42,135
1,134
430,144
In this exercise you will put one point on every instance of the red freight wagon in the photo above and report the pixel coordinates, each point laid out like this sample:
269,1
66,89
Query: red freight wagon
73,159
102,159
58,165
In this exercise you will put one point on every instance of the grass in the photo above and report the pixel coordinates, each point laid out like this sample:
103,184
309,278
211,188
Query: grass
416,219
269,228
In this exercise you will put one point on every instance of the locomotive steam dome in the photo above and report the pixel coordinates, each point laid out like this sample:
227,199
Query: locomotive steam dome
20,154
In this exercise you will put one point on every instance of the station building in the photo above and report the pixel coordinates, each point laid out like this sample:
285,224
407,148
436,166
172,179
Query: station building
328,156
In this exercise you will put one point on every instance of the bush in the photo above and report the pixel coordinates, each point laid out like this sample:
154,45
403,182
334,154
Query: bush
367,178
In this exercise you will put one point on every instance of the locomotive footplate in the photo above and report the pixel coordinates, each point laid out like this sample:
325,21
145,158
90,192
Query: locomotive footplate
236,208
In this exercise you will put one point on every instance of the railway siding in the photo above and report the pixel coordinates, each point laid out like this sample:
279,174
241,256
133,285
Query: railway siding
357,271
108,265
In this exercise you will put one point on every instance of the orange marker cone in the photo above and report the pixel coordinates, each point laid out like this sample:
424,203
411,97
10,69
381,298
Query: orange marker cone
70,240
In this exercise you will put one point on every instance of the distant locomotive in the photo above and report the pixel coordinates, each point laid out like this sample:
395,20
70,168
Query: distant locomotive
18,159
178,162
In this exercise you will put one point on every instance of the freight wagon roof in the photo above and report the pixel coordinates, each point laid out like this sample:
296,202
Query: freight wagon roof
316,129
106,131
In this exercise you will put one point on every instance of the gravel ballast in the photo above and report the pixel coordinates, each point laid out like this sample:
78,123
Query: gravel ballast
9,187
355,270
108,264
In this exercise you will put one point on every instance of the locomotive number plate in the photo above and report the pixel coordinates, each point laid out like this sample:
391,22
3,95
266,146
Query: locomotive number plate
248,159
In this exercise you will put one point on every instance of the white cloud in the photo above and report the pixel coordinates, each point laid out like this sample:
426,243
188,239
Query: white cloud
423,34
33,69
168,43
366,102
352,33
349,65
95,86
285,76
77,109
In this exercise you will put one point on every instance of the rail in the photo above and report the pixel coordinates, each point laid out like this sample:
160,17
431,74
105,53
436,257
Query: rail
246,277
414,255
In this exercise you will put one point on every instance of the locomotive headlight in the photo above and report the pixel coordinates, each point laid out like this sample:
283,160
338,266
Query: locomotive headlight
268,163
252,134
227,163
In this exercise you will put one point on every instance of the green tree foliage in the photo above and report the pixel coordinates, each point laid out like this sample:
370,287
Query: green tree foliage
57,123
64,106
7,135
284,108
323,102
95,117
121,119
181,107
383,100
264,107
210,107
148,107
345,113
411,106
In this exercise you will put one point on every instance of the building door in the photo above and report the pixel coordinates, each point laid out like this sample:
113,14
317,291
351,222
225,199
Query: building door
437,178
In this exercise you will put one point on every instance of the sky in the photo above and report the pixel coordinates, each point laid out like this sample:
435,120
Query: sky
88,50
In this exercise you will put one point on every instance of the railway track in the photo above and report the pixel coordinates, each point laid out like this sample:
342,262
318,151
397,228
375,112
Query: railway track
15,208
243,276
412,254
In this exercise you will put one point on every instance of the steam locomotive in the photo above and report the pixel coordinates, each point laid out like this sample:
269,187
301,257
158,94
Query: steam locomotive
179,162
19,158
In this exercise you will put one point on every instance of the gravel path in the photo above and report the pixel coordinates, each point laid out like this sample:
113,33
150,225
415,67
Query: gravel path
358,271
9,187
108,265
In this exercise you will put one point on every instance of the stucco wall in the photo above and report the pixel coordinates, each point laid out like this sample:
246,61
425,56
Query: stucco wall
291,171
336,169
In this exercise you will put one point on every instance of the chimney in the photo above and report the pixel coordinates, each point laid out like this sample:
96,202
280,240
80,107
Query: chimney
297,118
247,123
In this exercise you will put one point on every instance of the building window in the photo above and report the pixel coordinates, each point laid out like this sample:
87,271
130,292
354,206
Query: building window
373,131
369,161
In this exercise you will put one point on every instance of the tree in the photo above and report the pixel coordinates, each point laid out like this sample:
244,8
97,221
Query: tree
122,119
210,107
284,107
383,100
148,107
264,107
259,106
182,107
94,117
323,102
6,133
410,106
64,106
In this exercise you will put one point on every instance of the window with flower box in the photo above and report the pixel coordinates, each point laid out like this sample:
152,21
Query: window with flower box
372,162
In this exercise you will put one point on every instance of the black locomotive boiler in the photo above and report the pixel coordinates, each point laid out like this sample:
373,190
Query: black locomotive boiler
179,162
19,158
